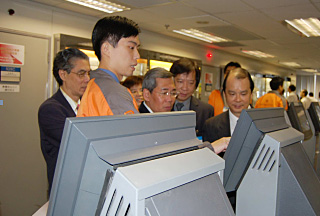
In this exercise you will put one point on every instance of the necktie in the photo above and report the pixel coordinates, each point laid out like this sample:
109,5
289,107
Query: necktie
179,106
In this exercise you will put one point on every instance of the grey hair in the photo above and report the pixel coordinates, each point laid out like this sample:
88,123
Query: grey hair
149,80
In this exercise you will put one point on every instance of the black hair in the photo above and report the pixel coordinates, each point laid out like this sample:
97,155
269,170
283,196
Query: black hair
240,73
231,64
112,29
276,82
305,92
292,87
185,65
132,80
64,60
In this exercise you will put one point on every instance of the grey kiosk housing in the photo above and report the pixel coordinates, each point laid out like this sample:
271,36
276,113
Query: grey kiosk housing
268,167
147,164
300,120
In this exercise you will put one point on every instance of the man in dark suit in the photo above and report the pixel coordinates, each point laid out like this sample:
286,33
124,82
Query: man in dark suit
158,91
71,70
237,88
186,78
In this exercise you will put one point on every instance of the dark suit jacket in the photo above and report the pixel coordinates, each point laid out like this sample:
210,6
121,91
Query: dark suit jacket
203,111
51,117
143,108
217,127
214,129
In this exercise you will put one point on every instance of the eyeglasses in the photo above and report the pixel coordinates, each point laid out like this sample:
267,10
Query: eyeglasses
81,75
172,94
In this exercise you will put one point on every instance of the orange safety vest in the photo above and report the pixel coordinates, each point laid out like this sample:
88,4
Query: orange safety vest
270,100
215,100
94,103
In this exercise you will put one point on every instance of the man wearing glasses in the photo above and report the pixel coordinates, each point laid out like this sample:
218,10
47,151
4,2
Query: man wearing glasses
71,70
158,91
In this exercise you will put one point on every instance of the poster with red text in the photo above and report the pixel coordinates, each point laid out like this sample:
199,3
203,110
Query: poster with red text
11,54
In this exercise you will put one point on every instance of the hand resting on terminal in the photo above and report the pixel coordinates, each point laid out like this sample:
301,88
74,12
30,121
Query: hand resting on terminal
217,146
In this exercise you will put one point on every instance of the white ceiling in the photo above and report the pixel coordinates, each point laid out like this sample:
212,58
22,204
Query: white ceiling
250,24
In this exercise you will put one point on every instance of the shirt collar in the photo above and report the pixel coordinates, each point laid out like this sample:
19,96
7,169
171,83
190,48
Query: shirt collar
233,121
148,108
72,103
111,74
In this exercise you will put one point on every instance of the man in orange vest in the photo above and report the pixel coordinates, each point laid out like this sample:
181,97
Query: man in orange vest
216,98
115,42
273,98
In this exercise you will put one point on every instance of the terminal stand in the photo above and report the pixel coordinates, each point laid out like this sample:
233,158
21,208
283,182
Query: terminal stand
280,179
317,157
176,185
136,165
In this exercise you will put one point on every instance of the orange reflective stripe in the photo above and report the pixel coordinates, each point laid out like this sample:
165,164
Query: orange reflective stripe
129,112
134,101
93,102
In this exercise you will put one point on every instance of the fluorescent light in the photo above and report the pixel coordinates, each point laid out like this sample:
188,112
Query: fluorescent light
258,54
309,27
194,33
290,64
101,5
310,70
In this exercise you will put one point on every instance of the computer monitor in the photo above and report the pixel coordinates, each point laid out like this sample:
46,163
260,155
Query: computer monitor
97,153
249,131
267,167
314,112
299,119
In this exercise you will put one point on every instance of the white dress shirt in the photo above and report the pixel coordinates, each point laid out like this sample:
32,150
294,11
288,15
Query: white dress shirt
72,103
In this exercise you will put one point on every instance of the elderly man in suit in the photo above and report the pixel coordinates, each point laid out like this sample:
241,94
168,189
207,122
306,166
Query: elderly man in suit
158,91
186,78
71,70
237,88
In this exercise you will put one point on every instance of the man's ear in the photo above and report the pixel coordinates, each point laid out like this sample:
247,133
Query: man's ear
105,48
63,74
146,94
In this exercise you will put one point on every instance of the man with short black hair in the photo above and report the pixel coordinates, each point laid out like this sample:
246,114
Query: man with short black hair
313,99
71,70
115,42
273,98
187,76
292,97
306,101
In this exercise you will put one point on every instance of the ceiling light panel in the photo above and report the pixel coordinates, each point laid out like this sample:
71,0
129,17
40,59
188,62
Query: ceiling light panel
100,5
290,64
310,70
258,54
309,27
194,33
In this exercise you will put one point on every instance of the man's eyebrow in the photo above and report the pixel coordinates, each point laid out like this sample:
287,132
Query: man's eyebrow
135,43
83,70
